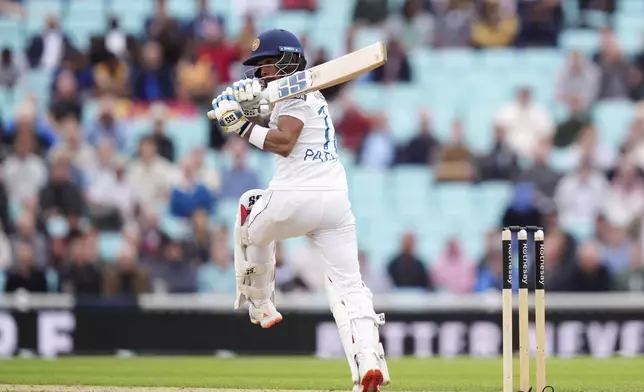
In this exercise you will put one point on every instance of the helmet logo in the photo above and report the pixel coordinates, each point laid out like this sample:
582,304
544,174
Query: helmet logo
255,44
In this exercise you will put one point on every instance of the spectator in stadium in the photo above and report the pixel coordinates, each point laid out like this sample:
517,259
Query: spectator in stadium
174,273
397,68
25,275
413,25
305,5
79,65
541,23
126,278
151,176
638,78
6,256
239,178
501,163
618,252
12,9
579,195
196,27
105,159
634,143
308,264
590,272
66,100
24,171
492,28
540,173
370,12
522,210
455,161
4,207
422,148
257,9
60,195
247,35
166,30
83,155
287,279
111,200
217,274
453,271
378,149
112,76
406,269
578,82
107,125
526,123
354,125
153,238
48,49
453,23
218,52
115,38
189,195
153,79
60,239
10,72
489,275
615,71
205,174
195,78
624,201
28,121
82,275
197,245
633,278
378,282
603,156
558,268
165,145
550,218
569,130
27,233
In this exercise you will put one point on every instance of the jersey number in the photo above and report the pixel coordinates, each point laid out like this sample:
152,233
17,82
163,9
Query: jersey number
329,132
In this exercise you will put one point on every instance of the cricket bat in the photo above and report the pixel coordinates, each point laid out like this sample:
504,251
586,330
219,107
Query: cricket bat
329,74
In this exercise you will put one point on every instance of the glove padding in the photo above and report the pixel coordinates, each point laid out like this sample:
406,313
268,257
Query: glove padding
247,93
228,112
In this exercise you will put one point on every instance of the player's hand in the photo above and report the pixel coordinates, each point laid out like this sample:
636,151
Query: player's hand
228,112
247,93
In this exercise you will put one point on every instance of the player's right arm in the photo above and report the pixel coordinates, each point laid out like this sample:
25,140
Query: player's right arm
281,141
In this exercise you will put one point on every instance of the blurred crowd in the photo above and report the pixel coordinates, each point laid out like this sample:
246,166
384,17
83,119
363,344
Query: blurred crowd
65,179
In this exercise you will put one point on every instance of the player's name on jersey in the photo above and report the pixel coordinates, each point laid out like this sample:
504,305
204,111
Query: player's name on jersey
319,156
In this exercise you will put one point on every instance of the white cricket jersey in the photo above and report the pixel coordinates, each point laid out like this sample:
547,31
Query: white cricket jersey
314,163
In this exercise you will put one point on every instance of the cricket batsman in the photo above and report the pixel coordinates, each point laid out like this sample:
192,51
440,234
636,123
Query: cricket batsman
308,195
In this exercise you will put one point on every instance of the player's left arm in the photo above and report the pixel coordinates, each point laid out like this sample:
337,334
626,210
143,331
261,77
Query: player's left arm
282,139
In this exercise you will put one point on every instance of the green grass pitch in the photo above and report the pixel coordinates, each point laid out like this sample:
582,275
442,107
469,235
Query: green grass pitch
292,373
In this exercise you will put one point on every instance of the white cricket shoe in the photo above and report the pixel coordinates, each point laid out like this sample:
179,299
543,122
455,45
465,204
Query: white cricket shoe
371,377
265,315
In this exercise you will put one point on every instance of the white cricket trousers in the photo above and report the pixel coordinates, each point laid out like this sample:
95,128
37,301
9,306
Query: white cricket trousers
325,216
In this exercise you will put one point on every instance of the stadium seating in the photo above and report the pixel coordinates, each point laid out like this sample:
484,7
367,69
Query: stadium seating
453,84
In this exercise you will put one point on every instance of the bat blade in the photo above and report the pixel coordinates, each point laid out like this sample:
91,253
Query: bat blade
329,74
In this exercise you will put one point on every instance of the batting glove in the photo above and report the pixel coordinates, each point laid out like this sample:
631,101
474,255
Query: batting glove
228,112
247,93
